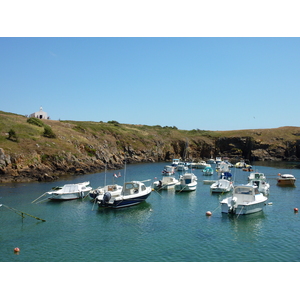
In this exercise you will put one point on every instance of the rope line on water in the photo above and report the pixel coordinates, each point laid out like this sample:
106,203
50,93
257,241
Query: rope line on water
21,213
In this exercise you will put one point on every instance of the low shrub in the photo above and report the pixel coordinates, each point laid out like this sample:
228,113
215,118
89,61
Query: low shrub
48,132
12,135
36,122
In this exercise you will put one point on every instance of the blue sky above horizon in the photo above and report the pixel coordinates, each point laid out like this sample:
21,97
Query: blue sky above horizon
191,83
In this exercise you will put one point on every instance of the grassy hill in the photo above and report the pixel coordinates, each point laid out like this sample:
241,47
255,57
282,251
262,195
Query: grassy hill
61,146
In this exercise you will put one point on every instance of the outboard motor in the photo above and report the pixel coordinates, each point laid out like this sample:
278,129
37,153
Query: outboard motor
233,205
106,197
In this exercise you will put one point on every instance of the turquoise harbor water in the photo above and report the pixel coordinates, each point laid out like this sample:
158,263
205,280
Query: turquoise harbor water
168,227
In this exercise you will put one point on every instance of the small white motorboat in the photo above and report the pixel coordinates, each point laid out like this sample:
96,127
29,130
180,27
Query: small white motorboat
168,171
70,191
187,182
218,159
181,167
286,180
211,161
201,165
262,185
241,164
259,179
223,185
222,167
256,176
166,183
133,193
175,162
245,200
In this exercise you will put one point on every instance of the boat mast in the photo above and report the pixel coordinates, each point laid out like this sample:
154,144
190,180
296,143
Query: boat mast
125,171
105,174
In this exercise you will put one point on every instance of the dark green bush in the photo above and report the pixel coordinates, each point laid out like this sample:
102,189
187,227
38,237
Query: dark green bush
12,136
35,121
48,132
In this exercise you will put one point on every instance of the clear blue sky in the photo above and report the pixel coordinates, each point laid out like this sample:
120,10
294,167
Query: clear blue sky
191,83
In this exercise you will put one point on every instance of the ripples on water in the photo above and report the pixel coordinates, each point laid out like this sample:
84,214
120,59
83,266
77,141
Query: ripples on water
167,227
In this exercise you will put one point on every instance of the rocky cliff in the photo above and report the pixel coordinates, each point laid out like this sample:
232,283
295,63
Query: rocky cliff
46,150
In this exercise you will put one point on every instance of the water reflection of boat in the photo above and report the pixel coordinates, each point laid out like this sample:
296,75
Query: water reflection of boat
245,228
137,214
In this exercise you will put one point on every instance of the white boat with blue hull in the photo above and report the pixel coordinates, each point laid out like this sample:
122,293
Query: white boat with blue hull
245,200
133,193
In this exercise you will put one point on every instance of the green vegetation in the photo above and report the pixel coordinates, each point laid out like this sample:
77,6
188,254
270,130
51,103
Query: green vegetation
79,139
35,121
48,132
12,136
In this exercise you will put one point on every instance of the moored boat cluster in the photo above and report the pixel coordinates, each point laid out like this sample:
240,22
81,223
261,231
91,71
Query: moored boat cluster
247,198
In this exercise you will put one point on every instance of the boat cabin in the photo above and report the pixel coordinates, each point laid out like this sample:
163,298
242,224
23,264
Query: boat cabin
133,187
245,193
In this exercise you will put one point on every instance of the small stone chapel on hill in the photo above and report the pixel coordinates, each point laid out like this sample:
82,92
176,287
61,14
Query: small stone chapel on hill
40,114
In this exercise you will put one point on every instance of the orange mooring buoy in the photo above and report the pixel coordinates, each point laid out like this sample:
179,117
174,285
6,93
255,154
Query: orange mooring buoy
295,209
17,250
208,213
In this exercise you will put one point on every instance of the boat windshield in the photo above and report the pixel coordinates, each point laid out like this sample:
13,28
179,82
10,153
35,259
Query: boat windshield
243,190
131,185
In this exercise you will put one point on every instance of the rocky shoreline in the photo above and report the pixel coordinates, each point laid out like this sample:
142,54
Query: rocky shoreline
13,168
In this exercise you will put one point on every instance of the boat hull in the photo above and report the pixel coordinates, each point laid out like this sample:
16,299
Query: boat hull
286,182
221,186
219,190
185,188
70,196
159,187
166,183
243,209
124,201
